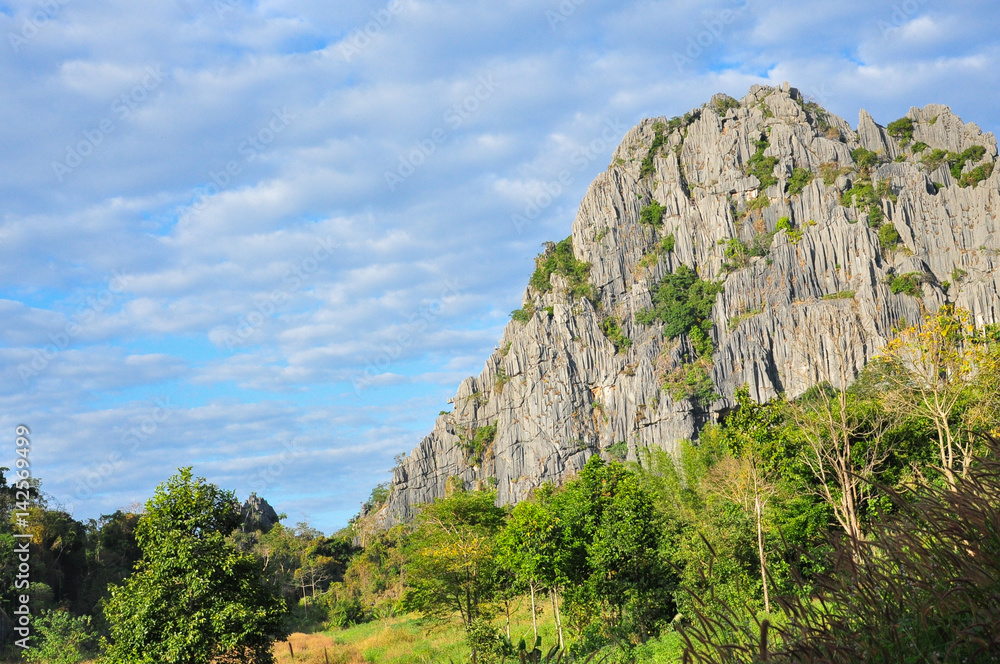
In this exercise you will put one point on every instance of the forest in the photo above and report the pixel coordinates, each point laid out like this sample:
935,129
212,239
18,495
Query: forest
844,525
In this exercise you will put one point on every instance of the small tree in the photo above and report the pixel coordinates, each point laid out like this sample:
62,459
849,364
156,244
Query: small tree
193,597
61,638
452,568
944,373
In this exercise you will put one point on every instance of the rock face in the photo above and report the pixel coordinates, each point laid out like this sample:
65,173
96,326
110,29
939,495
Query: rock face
810,301
258,514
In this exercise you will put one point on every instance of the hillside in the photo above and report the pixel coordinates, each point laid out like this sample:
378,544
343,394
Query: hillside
811,241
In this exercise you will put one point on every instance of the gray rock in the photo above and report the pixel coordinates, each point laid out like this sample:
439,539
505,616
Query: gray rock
817,307
258,514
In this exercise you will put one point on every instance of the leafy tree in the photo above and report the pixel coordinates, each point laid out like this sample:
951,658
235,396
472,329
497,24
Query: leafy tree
612,559
683,301
452,566
944,373
194,598
531,546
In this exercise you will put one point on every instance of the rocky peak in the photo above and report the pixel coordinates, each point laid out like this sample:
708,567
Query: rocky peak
821,240
258,514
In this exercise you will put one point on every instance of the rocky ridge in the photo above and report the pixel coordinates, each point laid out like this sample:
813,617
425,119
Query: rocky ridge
814,282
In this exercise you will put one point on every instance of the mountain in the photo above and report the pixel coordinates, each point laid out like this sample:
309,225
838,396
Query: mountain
762,242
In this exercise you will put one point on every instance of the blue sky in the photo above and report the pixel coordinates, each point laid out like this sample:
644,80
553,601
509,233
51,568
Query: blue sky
268,239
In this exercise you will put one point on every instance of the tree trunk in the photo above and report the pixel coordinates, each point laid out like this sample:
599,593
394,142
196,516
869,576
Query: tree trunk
555,593
534,619
760,550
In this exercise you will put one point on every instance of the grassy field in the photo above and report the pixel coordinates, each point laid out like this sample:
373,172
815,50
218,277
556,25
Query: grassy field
407,640
401,640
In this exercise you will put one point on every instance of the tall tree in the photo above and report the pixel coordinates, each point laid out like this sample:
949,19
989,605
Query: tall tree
452,567
194,598
945,372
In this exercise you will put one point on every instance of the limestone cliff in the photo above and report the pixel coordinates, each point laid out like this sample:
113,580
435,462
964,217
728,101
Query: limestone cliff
814,281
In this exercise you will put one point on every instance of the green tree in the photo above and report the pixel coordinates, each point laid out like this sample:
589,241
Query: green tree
193,598
612,560
531,546
452,565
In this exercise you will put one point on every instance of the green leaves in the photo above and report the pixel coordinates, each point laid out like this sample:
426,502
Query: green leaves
682,301
193,597
559,259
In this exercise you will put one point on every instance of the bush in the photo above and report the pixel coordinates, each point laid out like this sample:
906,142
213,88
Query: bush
682,301
976,175
801,177
919,147
61,638
907,284
559,259
762,167
901,129
522,315
865,159
958,161
652,214
612,329
888,237
658,140
722,103
921,588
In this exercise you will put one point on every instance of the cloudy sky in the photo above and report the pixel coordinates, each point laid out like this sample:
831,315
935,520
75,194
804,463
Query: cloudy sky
268,239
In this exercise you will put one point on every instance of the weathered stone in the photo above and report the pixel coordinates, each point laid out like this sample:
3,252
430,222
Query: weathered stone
817,307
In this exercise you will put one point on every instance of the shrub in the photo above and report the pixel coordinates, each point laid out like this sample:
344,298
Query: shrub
658,140
934,159
560,259
919,147
840,295
761,202
61,638
830,171
736,254
722,103
888,237
478,442
612,328
523,315
901,129
693,382
665,246
976,175
958,161
682,301
801,177
652,214
762,167
922,587
793,234
907,284
865,159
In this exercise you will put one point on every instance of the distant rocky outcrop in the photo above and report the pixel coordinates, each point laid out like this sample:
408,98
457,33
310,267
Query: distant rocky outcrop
258,514
851,234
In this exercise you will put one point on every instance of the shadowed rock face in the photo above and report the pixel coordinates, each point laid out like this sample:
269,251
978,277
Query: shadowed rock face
816,306
258,514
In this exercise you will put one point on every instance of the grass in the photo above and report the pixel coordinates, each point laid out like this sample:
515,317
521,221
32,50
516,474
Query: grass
409,640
